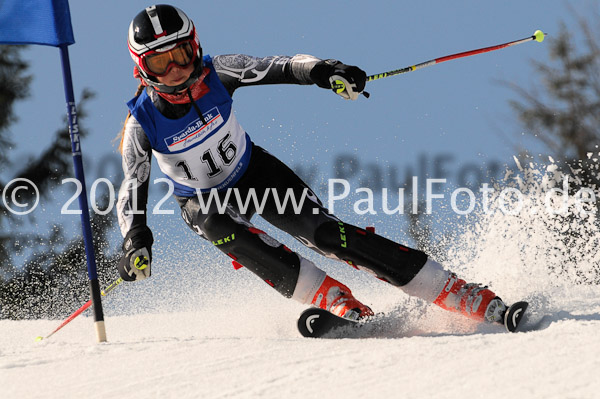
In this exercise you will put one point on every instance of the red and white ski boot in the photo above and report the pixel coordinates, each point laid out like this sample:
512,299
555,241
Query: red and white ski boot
336,298
471,300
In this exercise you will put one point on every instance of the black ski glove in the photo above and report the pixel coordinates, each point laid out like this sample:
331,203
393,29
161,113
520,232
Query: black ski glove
345,80
137,254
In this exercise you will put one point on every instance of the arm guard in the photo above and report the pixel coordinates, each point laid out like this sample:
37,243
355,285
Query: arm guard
133,194
237,70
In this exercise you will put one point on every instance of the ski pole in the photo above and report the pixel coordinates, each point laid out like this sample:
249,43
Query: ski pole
81,309
538,36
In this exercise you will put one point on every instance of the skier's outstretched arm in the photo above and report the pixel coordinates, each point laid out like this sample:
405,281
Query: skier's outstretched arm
131,208
238,70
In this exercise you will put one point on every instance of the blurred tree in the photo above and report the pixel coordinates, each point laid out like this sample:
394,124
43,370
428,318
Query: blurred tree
42,274
15,86
564,115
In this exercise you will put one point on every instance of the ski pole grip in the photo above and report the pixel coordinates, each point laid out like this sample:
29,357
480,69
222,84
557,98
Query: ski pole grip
335,87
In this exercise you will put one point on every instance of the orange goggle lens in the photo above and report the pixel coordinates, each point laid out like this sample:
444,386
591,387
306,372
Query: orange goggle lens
158,63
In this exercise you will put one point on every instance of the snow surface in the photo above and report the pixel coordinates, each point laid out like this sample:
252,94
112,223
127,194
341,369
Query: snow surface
212,337
195,355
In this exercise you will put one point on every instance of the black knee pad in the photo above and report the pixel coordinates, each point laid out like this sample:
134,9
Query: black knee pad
247,246
390,261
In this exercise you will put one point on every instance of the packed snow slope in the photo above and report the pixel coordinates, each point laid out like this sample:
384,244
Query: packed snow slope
255,352
210,332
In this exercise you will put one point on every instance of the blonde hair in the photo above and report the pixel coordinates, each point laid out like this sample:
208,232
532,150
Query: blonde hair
121,134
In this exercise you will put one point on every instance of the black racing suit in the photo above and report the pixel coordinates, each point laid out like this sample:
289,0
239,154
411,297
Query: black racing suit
230,230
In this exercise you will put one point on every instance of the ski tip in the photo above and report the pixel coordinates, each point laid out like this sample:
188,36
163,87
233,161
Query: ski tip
317,323
514,315
308,323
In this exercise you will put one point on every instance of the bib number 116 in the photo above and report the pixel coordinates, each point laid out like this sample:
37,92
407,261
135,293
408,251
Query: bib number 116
214,158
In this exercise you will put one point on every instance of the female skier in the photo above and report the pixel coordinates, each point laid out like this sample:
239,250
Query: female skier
182,113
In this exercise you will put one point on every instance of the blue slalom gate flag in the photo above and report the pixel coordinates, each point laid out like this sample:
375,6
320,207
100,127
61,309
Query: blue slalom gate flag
46,22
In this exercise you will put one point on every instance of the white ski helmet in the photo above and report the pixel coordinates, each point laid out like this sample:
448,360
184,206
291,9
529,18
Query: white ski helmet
160,37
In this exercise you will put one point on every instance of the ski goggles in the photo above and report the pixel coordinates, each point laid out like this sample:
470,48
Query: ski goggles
159,64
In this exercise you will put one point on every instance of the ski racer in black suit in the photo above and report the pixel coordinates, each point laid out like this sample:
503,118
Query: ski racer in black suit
182,114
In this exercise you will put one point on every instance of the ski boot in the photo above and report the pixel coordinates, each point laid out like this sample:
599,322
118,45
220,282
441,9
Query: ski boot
336,298
471,300
479,303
